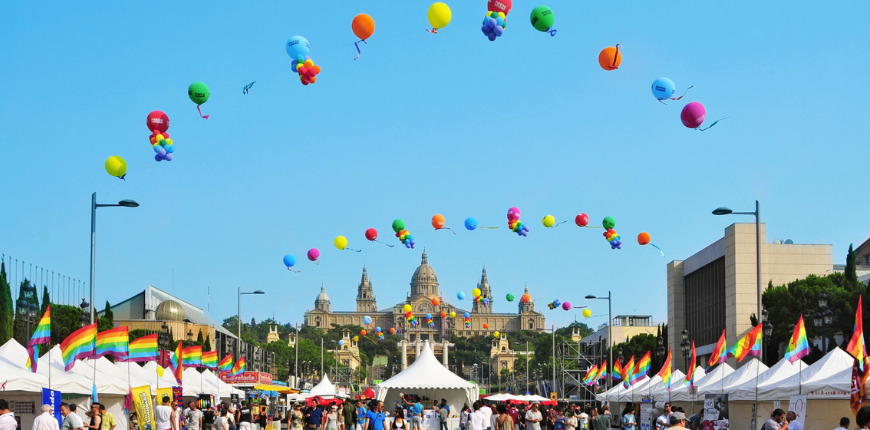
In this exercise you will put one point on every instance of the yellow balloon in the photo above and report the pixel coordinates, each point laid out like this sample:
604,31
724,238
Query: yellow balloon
439,15
356,338
340,242
452,314
116,166
406,308
169,141
159,371
501,15
587,313
158,138
549,221
475,292
496,334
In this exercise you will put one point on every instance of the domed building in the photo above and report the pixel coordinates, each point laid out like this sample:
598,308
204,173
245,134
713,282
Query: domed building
424,288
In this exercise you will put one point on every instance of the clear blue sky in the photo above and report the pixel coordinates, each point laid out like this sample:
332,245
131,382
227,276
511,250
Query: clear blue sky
424,124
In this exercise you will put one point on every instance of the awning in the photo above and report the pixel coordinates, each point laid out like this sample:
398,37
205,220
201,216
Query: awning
276,388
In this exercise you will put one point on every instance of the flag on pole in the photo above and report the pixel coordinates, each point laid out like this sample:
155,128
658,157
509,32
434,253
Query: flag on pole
115,341
719,354
798,347
856,346
192,356
143,349
239,367
177,361
209,359
642,368
748,345
590,375
602,372
665,372
627,370
859,386
226,364
41,335
617,370
79,344
690,372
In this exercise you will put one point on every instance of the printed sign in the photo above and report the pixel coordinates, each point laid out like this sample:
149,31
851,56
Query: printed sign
798,404
144,409
247,378
716,411
645,416
52,398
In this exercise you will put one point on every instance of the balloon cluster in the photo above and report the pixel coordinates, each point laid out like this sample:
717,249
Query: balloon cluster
409,316
610,234
478,297
402,234
306,68
495,20
429,320
515,224
467,320
555,304
158,123
379,333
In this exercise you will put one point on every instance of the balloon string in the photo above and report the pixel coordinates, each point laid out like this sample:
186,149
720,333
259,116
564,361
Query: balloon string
200,112
552,32
615,56
491,228
660,250
293,271
248,87
448,228
586,226
684,93
358,53
560,223
711,125
355,250
433,30
660,101
316,262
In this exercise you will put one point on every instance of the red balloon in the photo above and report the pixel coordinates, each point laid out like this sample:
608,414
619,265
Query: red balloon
581,220
693,115
157,120
371,234
499,6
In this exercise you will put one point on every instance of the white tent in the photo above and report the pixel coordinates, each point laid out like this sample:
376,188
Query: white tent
828,378
711,382
660,391
638,391
16,377
324,388
679,390
529,398
771,378
427,377
167,380
747,372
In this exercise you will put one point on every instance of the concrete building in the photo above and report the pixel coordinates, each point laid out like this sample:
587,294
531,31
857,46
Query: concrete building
624,327
716,288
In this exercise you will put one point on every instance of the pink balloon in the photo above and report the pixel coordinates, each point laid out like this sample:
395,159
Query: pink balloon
513,214
566,306
313,254
693,115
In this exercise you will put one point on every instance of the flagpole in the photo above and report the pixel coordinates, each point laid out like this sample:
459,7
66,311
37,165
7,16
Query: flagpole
756,390
49,366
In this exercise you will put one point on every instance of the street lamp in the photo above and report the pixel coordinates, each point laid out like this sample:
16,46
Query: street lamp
163,338
239,315
823,318
660,351
85,314
609,330
757,214
94,205
766,330
684,347
190,335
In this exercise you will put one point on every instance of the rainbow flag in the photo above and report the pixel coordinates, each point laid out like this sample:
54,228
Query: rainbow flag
856,346
238,368
176,361
602,372
798,347
641,369
748,345
690,373
627,370
226,364
719,354
143,349
209,359
192,356
665,372
41,335
115,342
617,370
79,344
590,375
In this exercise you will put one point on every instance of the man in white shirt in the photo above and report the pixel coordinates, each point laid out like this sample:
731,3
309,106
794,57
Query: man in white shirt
487,413
7,418
477,420
664,420
533,418
793,423
46,421
844,424
165,415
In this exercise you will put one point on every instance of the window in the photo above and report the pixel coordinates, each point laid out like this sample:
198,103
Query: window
317,321
503,349
705,302
531,323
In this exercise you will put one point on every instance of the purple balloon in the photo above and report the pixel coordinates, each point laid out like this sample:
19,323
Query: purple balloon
491,23
491,37
157,157
168,157
566,306
161,151
498,31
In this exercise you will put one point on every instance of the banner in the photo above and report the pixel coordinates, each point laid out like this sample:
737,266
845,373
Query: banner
646,418
163,392
716,411
52,398
178,395
798,404
234,399
144,409
247,378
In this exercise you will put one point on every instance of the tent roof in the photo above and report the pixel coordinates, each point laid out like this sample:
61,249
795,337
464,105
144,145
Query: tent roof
677,377
426,372
830,377
767,381
747,372
680,392
68,382
714,377
323,388
638,390
13,358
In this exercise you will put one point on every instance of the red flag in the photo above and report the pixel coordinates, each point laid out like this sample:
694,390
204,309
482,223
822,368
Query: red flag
859,381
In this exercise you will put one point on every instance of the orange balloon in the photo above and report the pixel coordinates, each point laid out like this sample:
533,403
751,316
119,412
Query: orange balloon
435,301
363,26
485,325
362,332
643,238
610,58
438,221
443,314
525,298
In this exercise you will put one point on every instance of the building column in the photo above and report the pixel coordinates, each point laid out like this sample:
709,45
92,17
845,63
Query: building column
404,354
417,346
444,348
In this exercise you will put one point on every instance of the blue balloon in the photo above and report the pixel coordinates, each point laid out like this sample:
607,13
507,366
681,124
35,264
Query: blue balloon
367,320
500,21
296,46
429,316
170,149
161,151
377,329
157,148
470,223
467,315
498,31
663,88
341,343
289,260
460,295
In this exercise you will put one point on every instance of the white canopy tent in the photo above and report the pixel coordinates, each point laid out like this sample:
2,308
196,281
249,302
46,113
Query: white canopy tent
748,372
638,391
712,382
529,398
828,378
427,377
16,377
774,375
660,391
679,390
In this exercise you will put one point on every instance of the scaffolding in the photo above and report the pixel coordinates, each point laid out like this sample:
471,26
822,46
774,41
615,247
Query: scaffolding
574,361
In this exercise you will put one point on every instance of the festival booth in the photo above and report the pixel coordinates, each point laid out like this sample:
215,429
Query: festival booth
428,378
679,390
659,391
19,384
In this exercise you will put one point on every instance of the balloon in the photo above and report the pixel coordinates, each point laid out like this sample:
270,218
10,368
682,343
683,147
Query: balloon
513,214
475,292
429,316
693,115
581,220
362,332
485,325
663,88
470,223
467,315
198,92
438,221
398,225
157,121
289,260
340,242
549,221
313,254
363,26
116,166
509,297
460,295
566,306
610,58
341,343
608,222
587,313
356,338
406,308
378,329
296,46
371,234
452,314
160,371
435,301
503,6
543,18
525,298
439,15
367,320
643,238
496,335
392,330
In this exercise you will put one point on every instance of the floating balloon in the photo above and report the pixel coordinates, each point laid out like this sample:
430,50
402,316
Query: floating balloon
476,292
435,301
367,320
460,295
160,371
613,237
515,224
363,26
587,313
296,46
549,221
439,16
158,121
543,19
554,304
566,306
494,24
582,220
356,338
663,89
443,314
392,330
313,254
608,222
340,242
398,225
378,328
306,68
525,298
438,223
610,58
467,315
452,314
496,335
372,235
644,238
509,297
198,93
485,325
503,6
406,308
362,332
693,116
403,235
341,343
290,261
116,166
467,320
471,224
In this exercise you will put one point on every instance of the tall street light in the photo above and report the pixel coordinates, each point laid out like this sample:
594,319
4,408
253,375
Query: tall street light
684,347
94,206
609,331
239,340
757,213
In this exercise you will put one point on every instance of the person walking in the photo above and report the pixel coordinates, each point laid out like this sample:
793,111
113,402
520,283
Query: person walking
443,413
602,421
477,419
463,417
46,420
194,418
263,418
571,421
515,415
504,420
332,418
348,415
163,415
399,421
246,417
533,418
628,420
221,423
361,415
375,418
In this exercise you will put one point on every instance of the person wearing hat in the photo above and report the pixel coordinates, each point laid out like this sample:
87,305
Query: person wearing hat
678,420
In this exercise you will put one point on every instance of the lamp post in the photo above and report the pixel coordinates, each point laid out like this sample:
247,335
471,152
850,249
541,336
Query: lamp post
94,206
660,350
684,347
85,314
766,331
823,319
239,340
163,339
757,214
609,330
190,335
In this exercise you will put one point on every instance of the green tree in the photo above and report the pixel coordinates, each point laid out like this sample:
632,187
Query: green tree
64,321
107,321
584,330
200,339
206,347
7,311
45,301
851,271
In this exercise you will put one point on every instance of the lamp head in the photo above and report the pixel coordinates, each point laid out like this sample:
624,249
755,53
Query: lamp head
591,297
127,203
722,211
259,292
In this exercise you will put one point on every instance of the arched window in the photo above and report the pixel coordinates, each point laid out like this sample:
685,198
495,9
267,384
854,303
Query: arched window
503,349
531,324
317,321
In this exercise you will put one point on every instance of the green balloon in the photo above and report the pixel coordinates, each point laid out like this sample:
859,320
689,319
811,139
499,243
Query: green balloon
608,222
198,92
510,297
543,18
398,225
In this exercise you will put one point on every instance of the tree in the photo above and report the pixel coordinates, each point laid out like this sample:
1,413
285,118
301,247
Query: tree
107,321
584,330
206,347
64,321
45,301
199,339
851,271
6,309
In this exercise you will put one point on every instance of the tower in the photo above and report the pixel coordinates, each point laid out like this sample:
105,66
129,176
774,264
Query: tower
365,295
322,303
527,307
486,292
273,333
424,282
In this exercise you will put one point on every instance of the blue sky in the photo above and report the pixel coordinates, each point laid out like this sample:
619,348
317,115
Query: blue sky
424,124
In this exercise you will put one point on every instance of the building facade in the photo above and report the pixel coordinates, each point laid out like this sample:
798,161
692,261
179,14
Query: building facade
624,327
